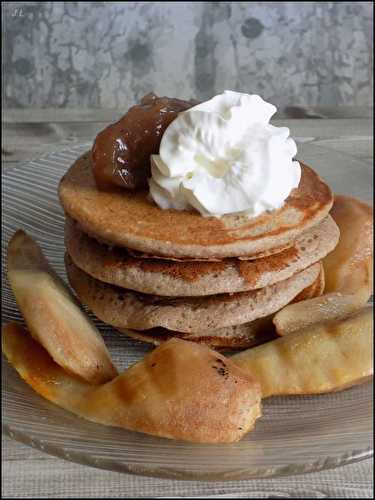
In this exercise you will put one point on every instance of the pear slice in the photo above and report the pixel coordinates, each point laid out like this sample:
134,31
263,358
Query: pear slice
53,315
181,390
323,357
348,268
297,316
347,271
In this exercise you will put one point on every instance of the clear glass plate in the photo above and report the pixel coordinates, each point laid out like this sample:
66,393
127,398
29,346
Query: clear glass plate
295,434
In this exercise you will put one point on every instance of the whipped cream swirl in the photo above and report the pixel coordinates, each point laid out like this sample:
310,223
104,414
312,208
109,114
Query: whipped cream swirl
223,157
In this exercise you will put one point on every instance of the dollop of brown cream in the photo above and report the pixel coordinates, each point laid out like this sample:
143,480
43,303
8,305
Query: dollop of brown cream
121,152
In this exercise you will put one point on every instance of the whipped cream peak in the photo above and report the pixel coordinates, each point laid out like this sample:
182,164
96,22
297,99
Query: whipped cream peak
223,156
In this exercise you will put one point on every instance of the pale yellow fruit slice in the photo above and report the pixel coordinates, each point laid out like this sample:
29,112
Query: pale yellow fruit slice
181,390
297,316
53,315
322,358
347,270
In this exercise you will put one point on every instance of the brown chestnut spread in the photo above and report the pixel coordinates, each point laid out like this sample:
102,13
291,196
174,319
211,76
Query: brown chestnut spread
121,152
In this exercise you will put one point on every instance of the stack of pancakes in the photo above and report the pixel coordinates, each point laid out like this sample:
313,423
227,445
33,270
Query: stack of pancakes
154,273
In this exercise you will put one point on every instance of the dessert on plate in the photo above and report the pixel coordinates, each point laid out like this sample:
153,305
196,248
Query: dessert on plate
195,221
193,226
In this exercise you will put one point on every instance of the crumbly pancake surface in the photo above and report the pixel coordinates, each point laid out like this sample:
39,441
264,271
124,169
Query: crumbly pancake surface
123,308
169,278
130,219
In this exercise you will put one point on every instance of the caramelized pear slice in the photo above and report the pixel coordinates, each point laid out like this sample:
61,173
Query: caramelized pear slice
347,270
297,316
53,315
181,390
324,357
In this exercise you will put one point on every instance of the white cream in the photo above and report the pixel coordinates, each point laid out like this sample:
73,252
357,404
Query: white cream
223,157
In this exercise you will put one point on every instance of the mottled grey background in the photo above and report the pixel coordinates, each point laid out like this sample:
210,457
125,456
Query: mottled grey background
108,54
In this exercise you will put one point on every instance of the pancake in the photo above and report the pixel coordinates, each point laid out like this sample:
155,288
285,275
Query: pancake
129,219
184,279
254,256
231,337
123,308
316,289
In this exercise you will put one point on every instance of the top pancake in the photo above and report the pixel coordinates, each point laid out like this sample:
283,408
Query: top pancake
129,219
